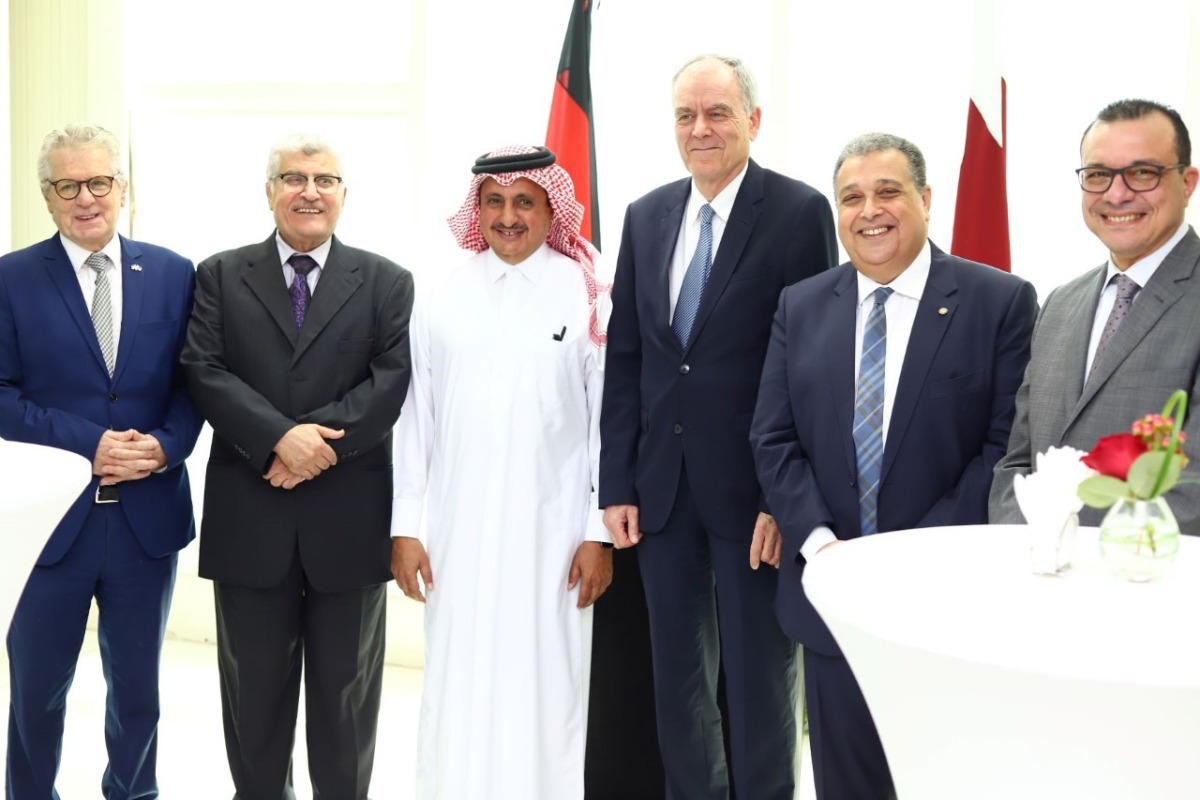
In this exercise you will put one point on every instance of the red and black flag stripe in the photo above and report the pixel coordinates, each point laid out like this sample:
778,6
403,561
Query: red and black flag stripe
570,134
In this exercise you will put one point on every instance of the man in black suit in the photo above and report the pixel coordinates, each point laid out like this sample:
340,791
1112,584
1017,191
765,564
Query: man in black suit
298,356
701,266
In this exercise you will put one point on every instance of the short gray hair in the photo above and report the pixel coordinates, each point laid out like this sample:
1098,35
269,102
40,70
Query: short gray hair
305,143
875,142
73,137
745,78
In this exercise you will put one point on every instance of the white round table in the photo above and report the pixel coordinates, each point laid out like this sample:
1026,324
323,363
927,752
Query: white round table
987,681
37,486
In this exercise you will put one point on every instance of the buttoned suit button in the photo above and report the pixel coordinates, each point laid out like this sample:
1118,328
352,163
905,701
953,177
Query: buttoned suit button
684,369
678,429
112,398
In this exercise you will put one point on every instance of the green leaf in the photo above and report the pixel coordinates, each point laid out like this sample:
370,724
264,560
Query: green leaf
1144,472
1101,491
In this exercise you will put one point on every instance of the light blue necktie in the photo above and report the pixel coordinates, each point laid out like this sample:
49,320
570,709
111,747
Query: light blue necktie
868,413
694,279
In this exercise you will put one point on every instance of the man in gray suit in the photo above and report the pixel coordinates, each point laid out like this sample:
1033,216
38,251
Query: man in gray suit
1111,345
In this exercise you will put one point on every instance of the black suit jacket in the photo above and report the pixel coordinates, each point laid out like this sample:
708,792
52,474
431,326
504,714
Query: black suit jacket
950,421
665,407
254,377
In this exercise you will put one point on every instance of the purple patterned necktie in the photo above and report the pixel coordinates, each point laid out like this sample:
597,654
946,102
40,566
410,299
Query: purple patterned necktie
1127,289
303,265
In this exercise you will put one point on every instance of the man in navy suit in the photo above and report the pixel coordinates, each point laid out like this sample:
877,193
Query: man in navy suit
701,265
91,327
886,399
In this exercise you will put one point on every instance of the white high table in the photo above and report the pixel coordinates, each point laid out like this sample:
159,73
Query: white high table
987,681
37,486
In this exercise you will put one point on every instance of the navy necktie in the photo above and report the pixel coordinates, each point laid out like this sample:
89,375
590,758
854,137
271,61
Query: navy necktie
868,413
303,265
692,290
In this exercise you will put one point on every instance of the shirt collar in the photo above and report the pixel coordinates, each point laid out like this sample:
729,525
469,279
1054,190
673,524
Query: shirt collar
722,204
77,255
910,282
531,268
1143,270
319,254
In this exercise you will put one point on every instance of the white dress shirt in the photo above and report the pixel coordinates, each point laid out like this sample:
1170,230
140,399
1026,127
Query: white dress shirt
1140,273
87,280
318,254
689,231
900,311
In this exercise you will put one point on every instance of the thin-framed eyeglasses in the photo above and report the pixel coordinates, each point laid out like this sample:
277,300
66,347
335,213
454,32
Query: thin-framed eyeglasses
326,184
1138,177
69,189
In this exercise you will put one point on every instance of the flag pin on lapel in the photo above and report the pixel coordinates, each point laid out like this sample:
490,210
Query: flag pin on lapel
136,267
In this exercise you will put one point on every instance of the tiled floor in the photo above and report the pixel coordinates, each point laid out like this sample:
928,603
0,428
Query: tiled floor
191,749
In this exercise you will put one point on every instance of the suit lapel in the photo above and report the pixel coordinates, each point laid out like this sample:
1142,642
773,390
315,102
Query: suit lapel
133,284
672,220
839,347
264,277
1075,344
339,280
64,277
733,242
1163,290
935,313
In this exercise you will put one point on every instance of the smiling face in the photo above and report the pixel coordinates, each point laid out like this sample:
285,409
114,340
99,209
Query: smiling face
514,220
88,221
712,127
1134,224
305,217
883,220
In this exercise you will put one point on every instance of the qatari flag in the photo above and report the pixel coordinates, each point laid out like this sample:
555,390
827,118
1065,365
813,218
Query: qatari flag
981,212
570,133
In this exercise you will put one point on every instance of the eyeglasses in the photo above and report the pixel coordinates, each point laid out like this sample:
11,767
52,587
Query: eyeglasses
69,189
1138,177
326,184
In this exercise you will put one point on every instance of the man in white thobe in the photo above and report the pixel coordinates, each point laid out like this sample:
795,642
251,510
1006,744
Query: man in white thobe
499,442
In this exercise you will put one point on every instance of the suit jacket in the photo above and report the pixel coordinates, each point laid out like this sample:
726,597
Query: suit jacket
1154,352
254,377
950,416
664,406
55,389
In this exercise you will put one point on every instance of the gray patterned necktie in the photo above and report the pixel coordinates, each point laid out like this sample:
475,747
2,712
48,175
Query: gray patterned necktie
692,290
868,413
302,265
1127,289
102,308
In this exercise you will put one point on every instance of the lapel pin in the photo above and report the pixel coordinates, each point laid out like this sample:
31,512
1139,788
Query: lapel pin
136,267
943,311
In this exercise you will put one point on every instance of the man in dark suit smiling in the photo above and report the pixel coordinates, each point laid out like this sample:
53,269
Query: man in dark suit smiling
701,265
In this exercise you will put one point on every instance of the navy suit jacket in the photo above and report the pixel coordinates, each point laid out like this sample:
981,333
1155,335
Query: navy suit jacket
950,420
55,389
664,406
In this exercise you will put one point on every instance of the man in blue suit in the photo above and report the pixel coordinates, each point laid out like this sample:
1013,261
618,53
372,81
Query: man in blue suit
886,399
91,327
701,265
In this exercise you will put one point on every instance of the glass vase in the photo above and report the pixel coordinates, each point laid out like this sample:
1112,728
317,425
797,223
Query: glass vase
1140,538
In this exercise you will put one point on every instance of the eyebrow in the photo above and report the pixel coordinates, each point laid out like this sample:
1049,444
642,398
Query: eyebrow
878,183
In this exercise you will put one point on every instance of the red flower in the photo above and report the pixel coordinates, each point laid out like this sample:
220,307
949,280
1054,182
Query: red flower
1113,455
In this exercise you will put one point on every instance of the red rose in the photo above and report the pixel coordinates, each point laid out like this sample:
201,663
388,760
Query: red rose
1114,455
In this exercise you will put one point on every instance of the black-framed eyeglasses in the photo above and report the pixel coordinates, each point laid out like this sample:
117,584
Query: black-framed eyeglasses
69,189
1138,177
326,184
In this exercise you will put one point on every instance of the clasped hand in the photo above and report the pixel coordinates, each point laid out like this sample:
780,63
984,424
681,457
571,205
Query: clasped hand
127,456
302,454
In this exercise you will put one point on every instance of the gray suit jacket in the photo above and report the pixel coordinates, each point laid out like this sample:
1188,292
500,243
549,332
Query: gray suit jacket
1154,352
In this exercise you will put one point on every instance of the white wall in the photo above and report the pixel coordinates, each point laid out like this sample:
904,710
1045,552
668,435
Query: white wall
413,91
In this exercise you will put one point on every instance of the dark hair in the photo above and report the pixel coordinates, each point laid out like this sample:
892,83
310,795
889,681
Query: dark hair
1137,109
876,142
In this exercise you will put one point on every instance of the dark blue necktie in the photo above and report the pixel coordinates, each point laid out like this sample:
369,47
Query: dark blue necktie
692,290
868,413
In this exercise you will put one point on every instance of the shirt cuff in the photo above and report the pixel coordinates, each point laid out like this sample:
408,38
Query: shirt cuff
819,537
406,516
596,532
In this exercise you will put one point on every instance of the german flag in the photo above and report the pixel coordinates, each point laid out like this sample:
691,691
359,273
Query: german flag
570,133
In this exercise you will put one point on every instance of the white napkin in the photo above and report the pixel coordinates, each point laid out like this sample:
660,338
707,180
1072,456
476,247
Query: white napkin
1049,496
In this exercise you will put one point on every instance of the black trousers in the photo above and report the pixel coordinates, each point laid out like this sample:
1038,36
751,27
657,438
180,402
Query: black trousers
265,638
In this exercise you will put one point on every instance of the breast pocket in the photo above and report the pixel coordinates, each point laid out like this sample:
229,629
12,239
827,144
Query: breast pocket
967,383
